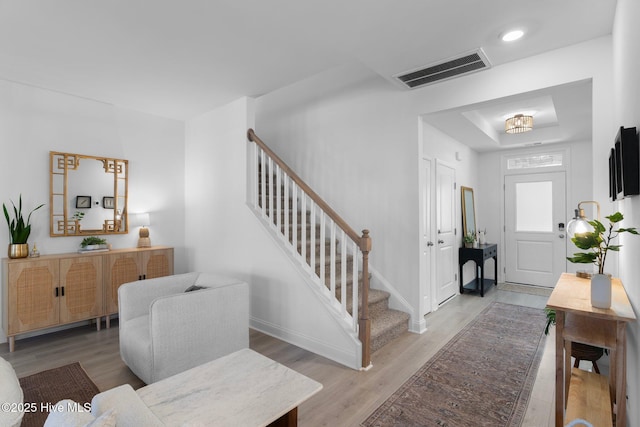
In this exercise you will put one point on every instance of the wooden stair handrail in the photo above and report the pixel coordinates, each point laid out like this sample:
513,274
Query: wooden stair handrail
251,135
364,244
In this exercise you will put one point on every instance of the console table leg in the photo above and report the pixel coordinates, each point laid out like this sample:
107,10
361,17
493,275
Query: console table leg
559,369
620,374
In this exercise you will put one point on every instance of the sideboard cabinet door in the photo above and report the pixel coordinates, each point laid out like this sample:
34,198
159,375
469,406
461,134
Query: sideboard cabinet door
119,269
32,295
140,264
81,281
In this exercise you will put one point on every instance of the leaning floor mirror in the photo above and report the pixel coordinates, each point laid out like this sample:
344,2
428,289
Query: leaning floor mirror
468,211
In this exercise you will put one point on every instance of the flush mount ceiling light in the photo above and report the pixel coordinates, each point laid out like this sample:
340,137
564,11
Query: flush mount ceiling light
518,124
511,36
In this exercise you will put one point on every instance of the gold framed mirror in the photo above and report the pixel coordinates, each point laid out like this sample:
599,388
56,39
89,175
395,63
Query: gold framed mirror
88,195
468,211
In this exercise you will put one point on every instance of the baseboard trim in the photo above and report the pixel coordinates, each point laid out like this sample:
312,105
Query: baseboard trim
352,360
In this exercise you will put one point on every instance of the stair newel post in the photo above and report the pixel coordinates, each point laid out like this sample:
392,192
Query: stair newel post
364,322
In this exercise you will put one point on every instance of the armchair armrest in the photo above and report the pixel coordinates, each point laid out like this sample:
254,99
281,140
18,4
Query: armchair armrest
192,328
135,298
130,409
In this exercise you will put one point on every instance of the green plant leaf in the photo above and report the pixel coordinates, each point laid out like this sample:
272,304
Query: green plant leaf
587,240
631,230
598,228
583,257
615,248
614,218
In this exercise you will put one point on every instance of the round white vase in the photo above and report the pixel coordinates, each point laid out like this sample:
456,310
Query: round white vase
601,290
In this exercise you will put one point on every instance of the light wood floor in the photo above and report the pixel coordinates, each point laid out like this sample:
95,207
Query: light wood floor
348,396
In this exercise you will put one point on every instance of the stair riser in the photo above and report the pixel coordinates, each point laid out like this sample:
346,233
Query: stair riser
377,342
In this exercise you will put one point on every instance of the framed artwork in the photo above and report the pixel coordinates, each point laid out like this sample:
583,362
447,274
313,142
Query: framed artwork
83,202
108,203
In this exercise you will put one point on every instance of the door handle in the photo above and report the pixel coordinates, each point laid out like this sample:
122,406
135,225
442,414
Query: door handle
429,243
440,241
561,236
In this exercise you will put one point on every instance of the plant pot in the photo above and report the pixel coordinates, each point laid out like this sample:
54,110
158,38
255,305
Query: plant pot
601,290
468,244
18,250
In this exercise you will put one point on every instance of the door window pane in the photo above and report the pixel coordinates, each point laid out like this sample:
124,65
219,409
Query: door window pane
534,205
535,161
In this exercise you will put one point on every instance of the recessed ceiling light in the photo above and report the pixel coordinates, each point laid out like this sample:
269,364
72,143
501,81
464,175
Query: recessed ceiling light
510,36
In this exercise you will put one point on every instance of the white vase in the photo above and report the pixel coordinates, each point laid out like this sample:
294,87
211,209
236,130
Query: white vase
601,290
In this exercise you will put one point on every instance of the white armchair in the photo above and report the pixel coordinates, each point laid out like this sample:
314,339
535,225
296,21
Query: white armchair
165,330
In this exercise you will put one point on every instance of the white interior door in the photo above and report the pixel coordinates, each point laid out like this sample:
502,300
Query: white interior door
446,286
427,238
535,243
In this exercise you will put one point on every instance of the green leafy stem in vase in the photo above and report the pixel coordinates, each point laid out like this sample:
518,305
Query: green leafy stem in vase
597,243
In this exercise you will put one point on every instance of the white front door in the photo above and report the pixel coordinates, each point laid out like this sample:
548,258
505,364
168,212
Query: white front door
446,286
535,243
427,239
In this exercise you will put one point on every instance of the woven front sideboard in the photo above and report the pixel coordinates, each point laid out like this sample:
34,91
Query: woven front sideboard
54,290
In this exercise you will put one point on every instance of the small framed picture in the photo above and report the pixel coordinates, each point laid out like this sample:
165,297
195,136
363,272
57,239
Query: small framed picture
83,202
108,203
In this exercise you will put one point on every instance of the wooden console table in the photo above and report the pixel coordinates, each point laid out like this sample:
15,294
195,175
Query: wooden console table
478,255
578,321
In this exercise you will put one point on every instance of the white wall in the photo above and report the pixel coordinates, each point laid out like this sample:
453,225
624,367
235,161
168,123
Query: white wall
225,237
626,63
34,121
357,144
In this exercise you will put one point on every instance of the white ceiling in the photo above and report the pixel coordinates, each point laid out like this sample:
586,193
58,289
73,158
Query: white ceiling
181,58
560,114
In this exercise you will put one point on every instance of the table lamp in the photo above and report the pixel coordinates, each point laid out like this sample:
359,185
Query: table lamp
142,219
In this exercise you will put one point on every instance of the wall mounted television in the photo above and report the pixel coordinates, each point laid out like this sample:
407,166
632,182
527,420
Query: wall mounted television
624,165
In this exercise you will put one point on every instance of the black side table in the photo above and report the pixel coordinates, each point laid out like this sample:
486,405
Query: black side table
478,255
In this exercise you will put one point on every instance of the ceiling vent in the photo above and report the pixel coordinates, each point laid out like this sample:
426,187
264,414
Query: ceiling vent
454,67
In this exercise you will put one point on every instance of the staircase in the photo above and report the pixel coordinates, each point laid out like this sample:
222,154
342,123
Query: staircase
326,250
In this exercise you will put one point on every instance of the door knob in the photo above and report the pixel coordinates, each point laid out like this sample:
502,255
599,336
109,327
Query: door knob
561,236
440,241
429,243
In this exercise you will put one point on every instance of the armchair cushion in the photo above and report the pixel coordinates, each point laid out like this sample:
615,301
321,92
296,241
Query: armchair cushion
11,393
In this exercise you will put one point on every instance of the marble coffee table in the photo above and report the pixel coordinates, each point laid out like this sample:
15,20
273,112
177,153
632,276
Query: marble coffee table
241,389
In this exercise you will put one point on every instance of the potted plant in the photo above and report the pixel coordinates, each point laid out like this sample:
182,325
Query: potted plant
19,230
469,239
93,243
597,243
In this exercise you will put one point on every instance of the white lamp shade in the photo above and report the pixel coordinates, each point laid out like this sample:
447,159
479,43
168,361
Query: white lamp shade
141,219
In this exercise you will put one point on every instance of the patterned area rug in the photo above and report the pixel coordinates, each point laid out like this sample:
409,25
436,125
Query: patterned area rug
53,385
482,377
